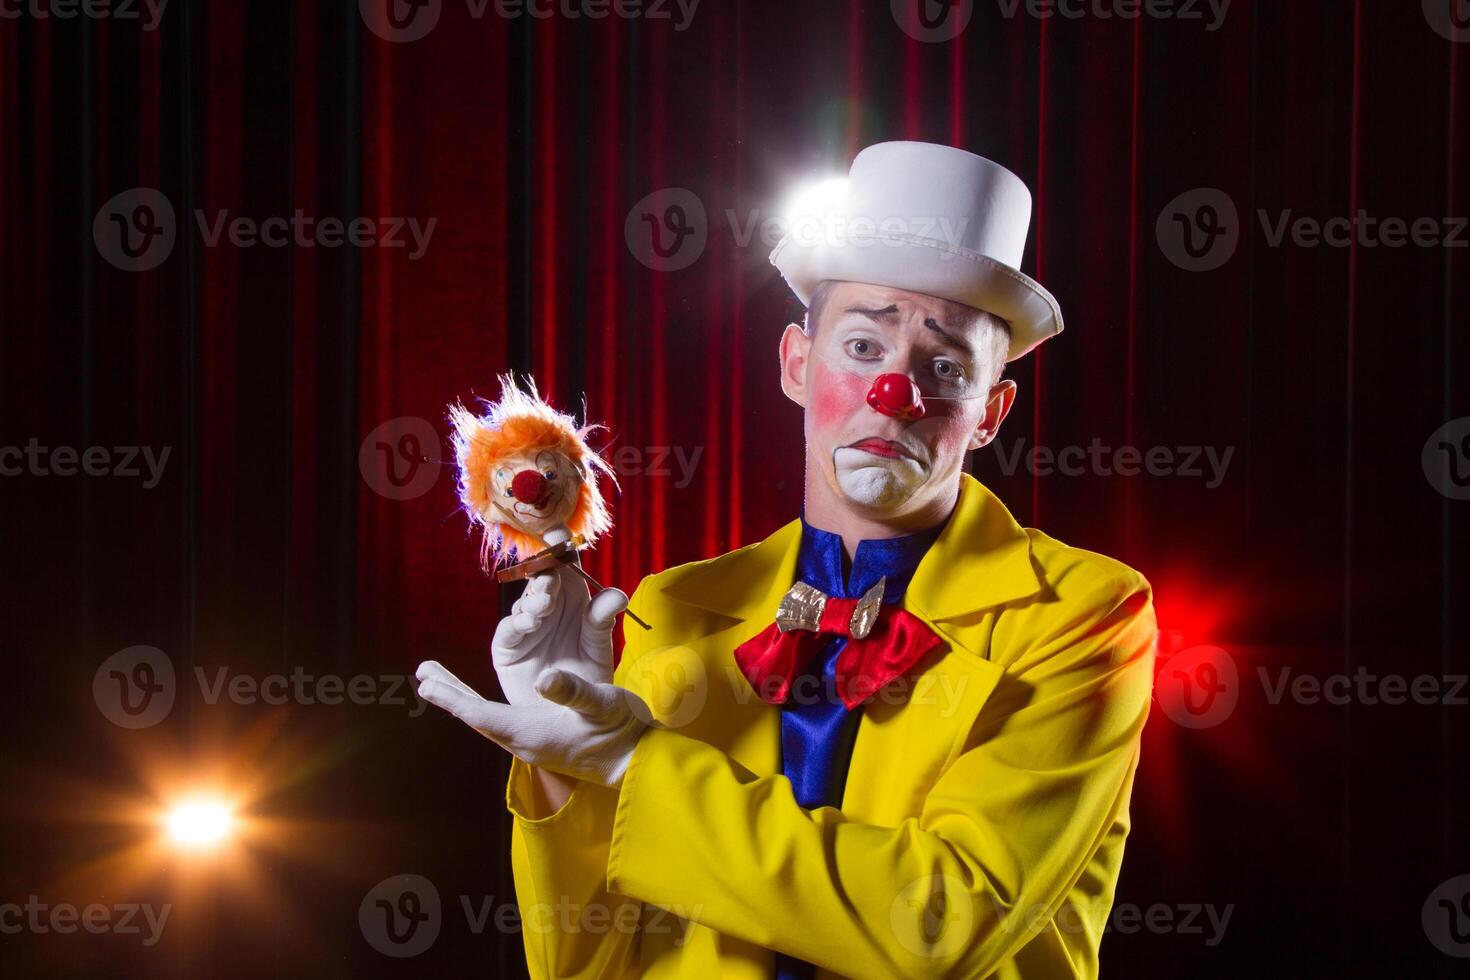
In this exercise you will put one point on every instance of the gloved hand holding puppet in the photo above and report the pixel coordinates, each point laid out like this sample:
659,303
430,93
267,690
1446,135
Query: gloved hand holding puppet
529,480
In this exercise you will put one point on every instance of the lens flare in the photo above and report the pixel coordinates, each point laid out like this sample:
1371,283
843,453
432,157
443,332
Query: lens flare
812,201
199,823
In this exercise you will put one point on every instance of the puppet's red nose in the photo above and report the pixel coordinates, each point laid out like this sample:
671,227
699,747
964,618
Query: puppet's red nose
897,396
529,487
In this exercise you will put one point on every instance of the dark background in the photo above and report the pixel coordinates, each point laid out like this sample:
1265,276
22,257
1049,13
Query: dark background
266,547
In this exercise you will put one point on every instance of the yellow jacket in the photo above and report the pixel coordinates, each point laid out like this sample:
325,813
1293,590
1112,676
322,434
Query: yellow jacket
983,820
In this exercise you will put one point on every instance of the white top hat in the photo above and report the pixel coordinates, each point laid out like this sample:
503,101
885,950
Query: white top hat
927,218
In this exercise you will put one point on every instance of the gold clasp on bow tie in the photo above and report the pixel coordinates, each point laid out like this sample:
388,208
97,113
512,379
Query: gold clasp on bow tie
801,609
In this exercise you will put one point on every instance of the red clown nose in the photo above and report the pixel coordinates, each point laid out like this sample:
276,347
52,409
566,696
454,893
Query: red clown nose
896,396
529,487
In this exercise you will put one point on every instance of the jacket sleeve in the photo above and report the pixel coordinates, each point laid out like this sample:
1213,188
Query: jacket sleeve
1003,836
571,924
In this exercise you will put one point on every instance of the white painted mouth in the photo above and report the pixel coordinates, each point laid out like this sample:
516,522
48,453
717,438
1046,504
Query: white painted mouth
876,481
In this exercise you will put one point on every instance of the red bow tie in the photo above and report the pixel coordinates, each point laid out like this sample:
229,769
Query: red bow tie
883,642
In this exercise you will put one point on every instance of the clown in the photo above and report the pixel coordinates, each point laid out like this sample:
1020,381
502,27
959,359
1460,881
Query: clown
896,738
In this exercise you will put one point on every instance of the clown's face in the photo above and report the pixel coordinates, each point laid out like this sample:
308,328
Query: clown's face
874,353
534,491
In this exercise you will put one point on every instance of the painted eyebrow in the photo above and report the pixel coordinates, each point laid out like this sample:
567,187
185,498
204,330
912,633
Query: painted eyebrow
956,342
890,310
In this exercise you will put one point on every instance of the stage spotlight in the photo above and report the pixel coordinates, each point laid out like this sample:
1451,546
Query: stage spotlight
813,201
200,823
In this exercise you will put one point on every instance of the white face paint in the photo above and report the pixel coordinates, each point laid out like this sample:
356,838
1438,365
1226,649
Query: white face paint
874,481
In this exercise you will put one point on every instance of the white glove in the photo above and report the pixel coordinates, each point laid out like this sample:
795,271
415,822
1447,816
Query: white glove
571,725
555,624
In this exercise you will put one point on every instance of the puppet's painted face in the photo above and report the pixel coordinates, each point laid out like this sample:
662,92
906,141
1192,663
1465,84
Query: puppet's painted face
534,491
881,460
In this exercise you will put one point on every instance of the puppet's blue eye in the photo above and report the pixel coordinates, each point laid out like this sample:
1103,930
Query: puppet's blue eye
509,492
551,474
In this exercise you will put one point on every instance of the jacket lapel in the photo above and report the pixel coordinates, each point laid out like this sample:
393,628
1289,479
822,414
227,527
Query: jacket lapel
982,560
745,588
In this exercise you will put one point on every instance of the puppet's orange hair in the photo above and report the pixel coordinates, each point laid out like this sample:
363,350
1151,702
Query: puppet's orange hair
521,422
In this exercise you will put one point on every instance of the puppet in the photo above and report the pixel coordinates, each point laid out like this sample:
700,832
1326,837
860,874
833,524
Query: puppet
528,477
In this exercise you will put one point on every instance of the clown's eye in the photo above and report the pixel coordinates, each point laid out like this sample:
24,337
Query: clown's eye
551,474
862,349
948,370
509,492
